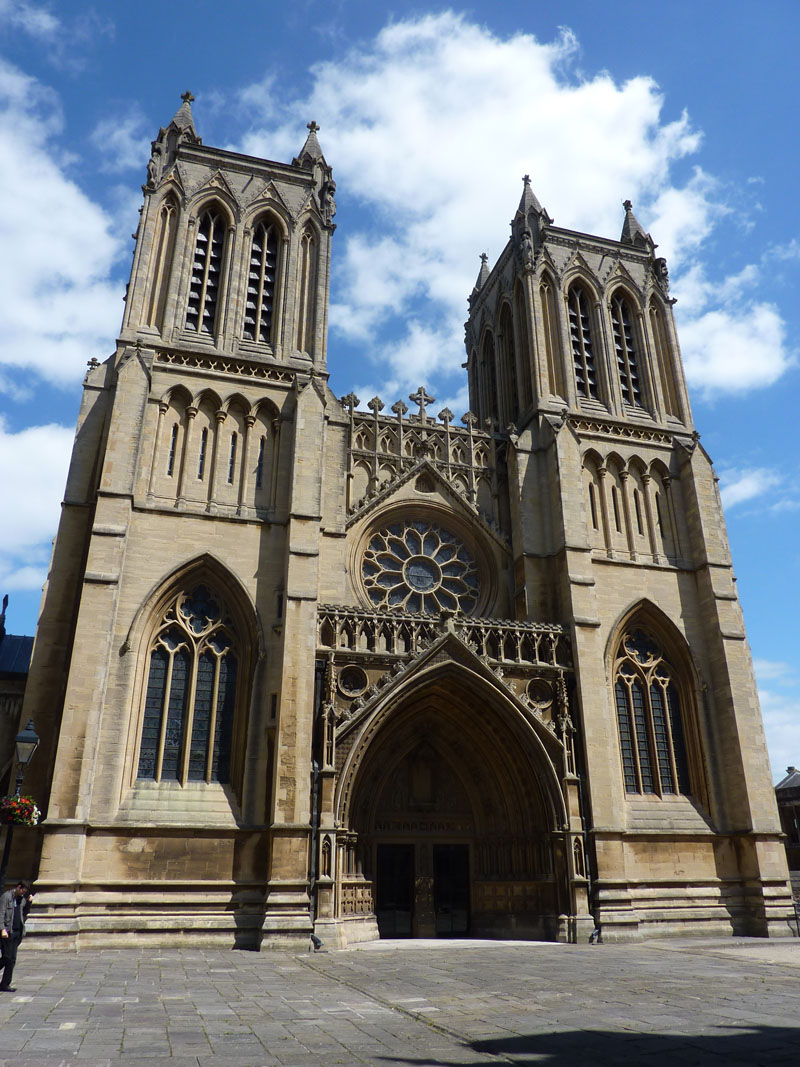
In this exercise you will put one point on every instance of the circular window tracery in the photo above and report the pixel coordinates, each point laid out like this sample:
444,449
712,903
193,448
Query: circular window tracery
419,566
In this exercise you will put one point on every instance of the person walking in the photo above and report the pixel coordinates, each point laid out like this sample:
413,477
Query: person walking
14,905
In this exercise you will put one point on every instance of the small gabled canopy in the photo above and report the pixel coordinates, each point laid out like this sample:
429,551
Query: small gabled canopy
633,233
311,151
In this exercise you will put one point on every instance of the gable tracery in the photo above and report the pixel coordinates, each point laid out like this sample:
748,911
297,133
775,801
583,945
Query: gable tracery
384,448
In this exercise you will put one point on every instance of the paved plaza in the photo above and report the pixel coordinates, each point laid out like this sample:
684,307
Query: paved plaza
429,1003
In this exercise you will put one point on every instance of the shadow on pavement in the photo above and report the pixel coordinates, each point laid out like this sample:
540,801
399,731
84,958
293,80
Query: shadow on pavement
753,1047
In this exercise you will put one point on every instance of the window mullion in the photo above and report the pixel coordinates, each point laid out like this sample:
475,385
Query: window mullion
634,735
212,719
162,733
188,721
670,742
651,730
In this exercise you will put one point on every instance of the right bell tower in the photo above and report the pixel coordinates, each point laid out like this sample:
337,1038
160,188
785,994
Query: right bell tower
616,530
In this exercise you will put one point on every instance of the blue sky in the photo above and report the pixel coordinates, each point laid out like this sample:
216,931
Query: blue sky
429,115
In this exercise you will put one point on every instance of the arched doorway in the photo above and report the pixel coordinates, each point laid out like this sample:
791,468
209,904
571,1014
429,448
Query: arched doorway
458,816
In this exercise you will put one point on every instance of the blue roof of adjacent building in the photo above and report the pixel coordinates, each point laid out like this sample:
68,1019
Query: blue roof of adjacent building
15,654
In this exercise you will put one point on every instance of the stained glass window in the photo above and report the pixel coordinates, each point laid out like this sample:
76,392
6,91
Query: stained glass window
419,566
649,717
190,698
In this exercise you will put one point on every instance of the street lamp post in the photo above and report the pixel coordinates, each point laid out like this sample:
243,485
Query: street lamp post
26,743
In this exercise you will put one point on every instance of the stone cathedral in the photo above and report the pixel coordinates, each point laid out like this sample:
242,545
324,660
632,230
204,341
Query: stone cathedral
384,670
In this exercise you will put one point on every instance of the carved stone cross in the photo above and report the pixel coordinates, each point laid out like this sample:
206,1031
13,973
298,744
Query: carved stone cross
312,126
351,402
422,398
187,97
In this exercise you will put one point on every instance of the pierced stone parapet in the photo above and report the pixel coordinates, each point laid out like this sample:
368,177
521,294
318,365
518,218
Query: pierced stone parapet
401,634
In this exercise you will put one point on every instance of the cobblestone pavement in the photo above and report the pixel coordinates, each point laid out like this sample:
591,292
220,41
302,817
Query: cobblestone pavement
432,1004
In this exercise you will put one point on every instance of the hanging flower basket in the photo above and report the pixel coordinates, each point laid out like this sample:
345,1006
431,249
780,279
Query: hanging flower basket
21,811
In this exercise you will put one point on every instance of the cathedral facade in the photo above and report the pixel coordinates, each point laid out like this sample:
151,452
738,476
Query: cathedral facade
304,664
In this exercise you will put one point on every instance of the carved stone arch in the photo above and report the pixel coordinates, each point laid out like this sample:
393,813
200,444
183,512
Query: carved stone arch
623,285
578,274
208,395
208,198
450,680
192,569
273,211
174,393
237,400
591,455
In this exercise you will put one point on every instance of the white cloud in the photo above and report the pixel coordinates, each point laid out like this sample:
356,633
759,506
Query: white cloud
781,712
36,456
59,307
773,670
737,486
431,126
734,350
122,142
33,19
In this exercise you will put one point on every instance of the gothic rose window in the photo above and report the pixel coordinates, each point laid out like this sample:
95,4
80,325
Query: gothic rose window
650,720
191,693
419,566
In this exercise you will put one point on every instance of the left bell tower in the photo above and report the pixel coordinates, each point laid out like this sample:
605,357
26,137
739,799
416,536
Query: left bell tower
182,570
232,253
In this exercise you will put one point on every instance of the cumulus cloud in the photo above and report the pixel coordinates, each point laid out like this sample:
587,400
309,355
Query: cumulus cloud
431,127
122,142
738,486
59,306
36,456
781,711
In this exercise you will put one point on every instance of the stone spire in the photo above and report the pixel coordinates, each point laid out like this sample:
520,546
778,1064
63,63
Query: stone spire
183,118
311,151
633,232
483,273
529,200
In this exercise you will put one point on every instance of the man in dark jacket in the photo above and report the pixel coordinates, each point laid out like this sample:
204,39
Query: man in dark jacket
14,905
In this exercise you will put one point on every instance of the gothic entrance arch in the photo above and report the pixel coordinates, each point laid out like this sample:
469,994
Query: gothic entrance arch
455,816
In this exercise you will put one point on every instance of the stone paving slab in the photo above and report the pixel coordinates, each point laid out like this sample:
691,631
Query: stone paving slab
430,1004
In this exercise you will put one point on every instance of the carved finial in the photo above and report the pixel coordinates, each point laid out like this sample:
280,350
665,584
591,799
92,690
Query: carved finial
526,178
350,401
446,415
422,398
484,257
399,409
469,419
375,405
312,126
627,205
187,97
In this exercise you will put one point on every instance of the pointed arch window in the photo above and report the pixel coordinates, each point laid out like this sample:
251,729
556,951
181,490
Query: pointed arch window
664,361
190,698
650,719
261,283
204,288
625,349
308,276
582,341
162,262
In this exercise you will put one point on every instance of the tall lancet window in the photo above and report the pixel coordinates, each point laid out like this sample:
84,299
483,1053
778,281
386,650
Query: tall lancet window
191,692
582,340
261,283
201,311
161,264
307,289
625,348
650,719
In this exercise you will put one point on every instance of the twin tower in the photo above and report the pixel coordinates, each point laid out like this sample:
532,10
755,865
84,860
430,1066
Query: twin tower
307,664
